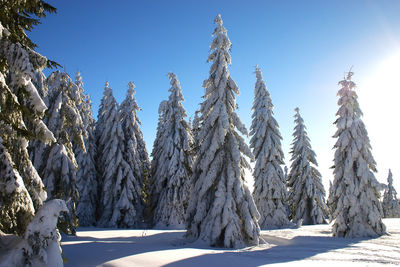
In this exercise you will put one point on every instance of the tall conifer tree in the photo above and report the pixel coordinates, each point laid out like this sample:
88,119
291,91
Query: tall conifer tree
59,163
391,205
171,189
354,198
21,111
221,209
107,111
307,193
135,148
156,155
196,125
87,174
270,192
121,197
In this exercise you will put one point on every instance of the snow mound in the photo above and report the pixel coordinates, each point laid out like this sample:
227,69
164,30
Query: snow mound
40,245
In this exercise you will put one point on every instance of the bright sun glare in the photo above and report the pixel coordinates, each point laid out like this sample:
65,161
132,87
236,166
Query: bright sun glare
379,97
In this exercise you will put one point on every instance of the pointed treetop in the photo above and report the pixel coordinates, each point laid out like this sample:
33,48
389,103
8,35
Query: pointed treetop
173,81
131,89
347,83
108,91
78,81
390,179
176,93
258,72
78,76
131,85
220,45
218,20
350,74
172,76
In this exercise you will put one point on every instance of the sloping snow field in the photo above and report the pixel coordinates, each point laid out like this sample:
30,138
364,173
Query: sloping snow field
305,246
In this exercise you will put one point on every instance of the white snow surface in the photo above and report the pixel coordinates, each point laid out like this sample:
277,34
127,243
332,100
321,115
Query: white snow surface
306,246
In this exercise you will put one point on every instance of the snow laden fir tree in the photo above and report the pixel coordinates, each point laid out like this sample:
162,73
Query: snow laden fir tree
135,148
85,158
306,192
121,199
391,205
156,155
221,209
354,198
269,181
22,110
107,128
59,165
172,162
195,127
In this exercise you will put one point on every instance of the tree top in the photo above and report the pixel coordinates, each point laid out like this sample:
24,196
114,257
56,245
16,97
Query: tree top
131,85
258,73
218,20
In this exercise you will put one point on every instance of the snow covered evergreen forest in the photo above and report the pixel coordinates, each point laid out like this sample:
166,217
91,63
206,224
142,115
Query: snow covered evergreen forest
61,169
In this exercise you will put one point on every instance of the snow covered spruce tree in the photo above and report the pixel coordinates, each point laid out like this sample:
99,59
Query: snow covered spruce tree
171,174
87,173
221,209
121,198
135,148
270,192
21,112
107,105
59,163
390,204
156,155
306,191
195,128
354,198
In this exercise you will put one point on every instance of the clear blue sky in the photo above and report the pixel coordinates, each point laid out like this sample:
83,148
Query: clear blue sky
303,48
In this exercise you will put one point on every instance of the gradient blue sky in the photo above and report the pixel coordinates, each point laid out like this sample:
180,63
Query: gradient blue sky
303,48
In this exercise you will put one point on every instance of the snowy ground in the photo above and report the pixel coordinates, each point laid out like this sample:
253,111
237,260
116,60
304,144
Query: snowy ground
306,246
